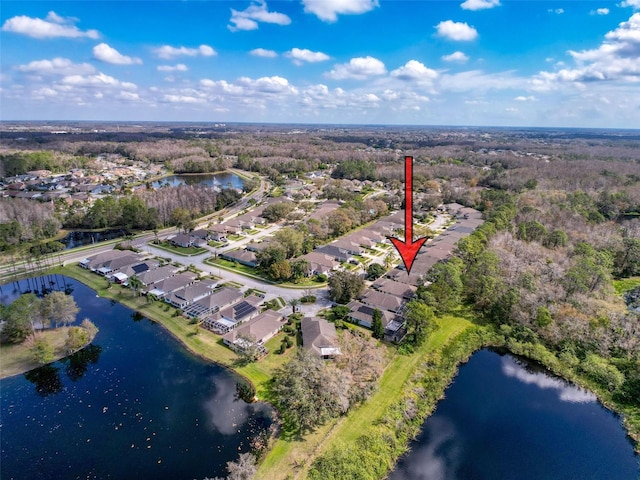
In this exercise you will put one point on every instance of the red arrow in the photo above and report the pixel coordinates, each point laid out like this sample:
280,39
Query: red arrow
408,249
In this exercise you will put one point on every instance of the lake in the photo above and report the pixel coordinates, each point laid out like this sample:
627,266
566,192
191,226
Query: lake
503,418
216,180
135,404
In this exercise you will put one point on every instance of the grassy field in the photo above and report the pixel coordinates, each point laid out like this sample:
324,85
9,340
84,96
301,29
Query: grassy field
291,457
184,251
624,285
16,359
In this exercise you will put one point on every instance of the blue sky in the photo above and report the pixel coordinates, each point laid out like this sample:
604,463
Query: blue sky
474,62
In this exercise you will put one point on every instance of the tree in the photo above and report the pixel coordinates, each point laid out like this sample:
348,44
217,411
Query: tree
299,269
42,351
135,284
344,286
293,303
77,337
376,325
445,288
248,350
374,271
244,468
420,321
182,219
291,239
278,211
21,318
300,388
280,270
270,255
59,308
339,222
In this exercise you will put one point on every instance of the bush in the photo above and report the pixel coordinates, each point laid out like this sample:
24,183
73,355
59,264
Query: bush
599,370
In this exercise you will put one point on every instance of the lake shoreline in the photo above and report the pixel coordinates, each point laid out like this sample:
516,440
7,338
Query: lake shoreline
184,334
24,366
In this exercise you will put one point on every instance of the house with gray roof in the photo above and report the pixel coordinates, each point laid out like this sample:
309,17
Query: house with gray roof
257,331
320,337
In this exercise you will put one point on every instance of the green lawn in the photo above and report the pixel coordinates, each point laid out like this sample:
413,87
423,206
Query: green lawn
234,267
625,284
234,237
290,458
184,251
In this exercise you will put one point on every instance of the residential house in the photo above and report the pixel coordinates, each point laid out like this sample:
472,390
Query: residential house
320,337
230,317
362,314
320,263
156,275
191,293
171,284
394,288
219,299
243,257
338,254
185,241
383,301
98,261
256,331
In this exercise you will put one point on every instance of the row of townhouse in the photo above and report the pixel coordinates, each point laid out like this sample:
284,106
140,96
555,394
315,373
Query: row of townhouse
390,294
222,309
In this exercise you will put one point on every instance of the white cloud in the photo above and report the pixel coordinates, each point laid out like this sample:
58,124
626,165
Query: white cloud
98,80
261,52
358,68
268,85
328,10
168,52
480,4
566,392
256,12
458,31
129,96
180,67
522,98
57,66
631,3
170,98
54,26
107,54
414,71
301,55
617,58
599,11
455,57
557,11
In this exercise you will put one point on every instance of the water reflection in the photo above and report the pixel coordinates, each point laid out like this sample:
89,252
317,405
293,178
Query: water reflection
566,392
78,363
503,418
46,379
217,181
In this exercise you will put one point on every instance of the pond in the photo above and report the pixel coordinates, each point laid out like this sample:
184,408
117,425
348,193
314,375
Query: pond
133,405
503,418
216,180
80,238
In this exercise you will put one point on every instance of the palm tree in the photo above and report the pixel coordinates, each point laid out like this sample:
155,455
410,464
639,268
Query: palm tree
293,303
388,261
135,284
